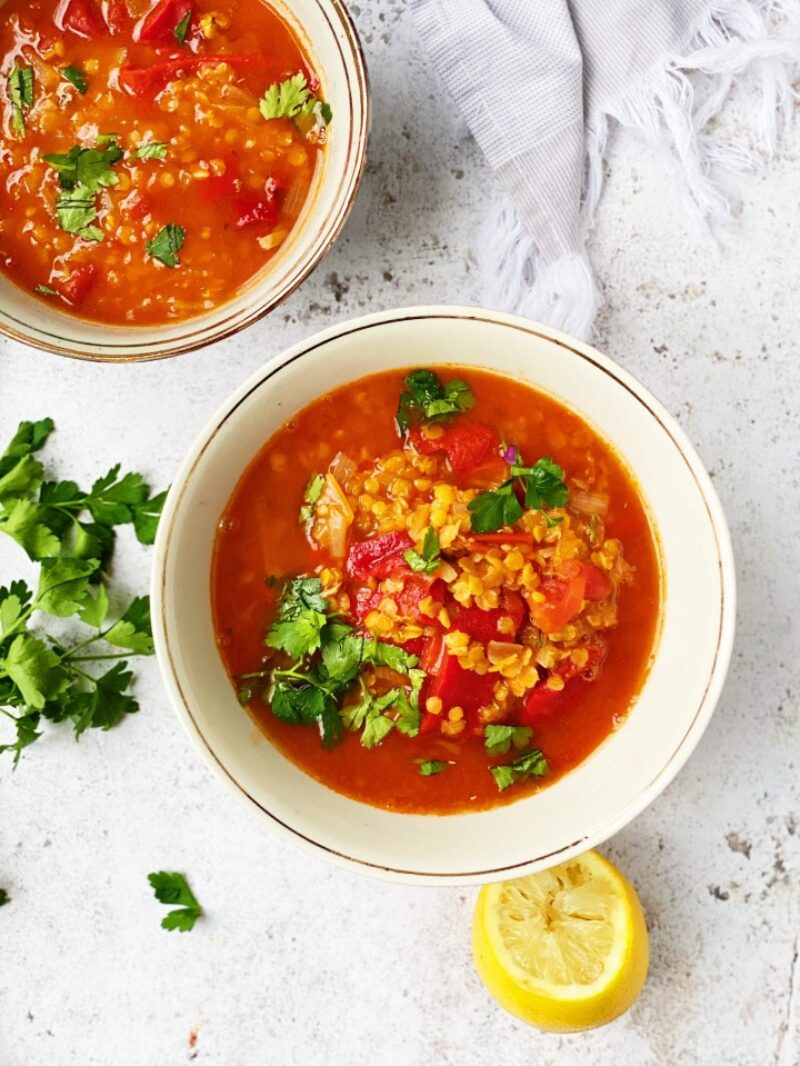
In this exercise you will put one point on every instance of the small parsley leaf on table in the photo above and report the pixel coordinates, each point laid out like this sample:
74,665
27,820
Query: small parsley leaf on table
172,888
166,245
426,398
4,897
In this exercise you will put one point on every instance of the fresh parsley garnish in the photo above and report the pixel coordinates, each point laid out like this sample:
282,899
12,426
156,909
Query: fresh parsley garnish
499,738
426,399
70,532
86,168
529,764
166,244
293,99
173,888
426,561
310,497
431,767
152,150
45,290
106,138
20,91
541,485
182,28
76,77
328,657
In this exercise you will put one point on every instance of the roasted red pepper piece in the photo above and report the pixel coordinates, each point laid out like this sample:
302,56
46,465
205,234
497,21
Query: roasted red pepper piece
467,445
76,284
483,625
366,601
542,701
117,15
379,556
454,686
160,22
82,17
250,207
149,81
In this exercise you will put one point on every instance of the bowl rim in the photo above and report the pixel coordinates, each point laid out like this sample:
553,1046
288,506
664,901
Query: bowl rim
230,325
727,608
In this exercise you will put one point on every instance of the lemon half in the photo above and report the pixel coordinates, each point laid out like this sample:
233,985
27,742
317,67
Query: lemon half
565,949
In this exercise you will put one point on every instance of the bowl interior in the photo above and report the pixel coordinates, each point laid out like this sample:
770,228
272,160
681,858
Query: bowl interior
625,772
329,38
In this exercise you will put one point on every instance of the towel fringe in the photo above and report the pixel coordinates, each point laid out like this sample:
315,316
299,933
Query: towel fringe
672,110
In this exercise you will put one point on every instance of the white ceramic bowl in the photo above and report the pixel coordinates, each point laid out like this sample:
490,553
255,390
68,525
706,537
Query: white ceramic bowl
624,774
330,40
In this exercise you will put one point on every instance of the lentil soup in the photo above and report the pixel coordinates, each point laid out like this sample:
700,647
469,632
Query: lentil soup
154,154
436,590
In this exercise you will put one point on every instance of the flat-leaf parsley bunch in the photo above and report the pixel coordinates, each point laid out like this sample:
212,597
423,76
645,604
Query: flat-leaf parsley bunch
70,532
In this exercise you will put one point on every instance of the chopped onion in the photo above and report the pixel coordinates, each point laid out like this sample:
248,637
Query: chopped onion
272,240
333,518
589,502
295,198
342,468
497,651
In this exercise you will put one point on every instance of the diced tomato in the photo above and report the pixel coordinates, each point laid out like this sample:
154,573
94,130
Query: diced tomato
149,81
117,15
540,703
138,205
82,17
224,186
597,650
467,445
564,596
379,556
160,22
250,207
598,584
366,601
76,285
484,625
416,588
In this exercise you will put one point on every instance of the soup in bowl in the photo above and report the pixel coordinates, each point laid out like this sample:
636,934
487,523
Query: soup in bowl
451,618
169,170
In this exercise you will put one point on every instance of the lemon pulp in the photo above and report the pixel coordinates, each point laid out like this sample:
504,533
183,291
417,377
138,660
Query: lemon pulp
565,949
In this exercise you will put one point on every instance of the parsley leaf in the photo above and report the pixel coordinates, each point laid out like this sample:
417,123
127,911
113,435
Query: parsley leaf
310,497
86,168
4,897
182,28
541,484
293,99
379,653
76,211
285,99
426,398
152,150
431,767
77,77
166,244
530,763
428,560
45,290
173,888
20,91
133,630
499,738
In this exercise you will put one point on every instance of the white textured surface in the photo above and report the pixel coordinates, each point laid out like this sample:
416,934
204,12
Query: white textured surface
297,961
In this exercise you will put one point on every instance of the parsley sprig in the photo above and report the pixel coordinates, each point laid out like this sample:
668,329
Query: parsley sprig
426,398
431,767
293,99
499,738
70,533
428,560
166,244
82,174
310,496
530,763
323,682
542,485
77,77
172,887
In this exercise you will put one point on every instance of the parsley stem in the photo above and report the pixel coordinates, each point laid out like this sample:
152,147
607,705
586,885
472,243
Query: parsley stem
98,658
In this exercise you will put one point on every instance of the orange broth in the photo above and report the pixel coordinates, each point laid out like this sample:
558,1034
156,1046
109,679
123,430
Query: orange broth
260,536
232,180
